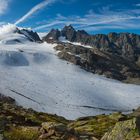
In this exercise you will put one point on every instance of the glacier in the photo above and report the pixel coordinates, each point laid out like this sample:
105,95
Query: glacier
35,77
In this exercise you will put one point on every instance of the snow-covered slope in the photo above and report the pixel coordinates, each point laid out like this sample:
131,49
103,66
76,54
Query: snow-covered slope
33,75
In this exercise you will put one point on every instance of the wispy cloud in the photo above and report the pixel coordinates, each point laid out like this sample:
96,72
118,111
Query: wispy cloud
105,19
3,6
138,4
34,10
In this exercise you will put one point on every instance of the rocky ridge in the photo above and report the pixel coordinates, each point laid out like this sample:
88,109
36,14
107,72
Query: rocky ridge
31,35
114,55
124,44
17,123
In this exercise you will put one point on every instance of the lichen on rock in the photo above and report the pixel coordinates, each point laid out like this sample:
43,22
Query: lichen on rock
125,130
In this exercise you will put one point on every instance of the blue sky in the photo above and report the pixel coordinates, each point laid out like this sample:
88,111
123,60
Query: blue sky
94,16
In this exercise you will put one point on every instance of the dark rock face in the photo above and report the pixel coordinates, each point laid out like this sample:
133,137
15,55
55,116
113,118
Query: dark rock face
52,36
6,99
69,32
32,36
100,62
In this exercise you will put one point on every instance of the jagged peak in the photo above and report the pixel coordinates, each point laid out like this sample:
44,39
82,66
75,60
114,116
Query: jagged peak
69,27
52,30
83,32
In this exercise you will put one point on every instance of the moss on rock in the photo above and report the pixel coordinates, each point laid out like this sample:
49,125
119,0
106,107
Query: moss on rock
125,130
96,126
22,133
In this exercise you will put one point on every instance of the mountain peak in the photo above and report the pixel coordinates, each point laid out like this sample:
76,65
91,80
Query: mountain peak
10,33
69,27
82,32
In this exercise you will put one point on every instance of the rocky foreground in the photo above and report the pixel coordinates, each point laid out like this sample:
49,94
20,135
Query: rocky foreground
17,123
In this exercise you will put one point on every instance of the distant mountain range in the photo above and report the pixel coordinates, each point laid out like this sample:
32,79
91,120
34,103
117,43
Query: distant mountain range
125,44
114,55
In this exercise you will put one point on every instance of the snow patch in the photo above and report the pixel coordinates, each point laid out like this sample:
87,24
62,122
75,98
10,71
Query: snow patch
63,39
42,34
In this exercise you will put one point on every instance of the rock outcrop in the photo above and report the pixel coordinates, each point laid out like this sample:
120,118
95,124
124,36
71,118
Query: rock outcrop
125,130
100,62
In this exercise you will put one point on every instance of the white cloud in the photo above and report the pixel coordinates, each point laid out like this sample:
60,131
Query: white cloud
105,19
35,9
138,4
6,30
3,6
